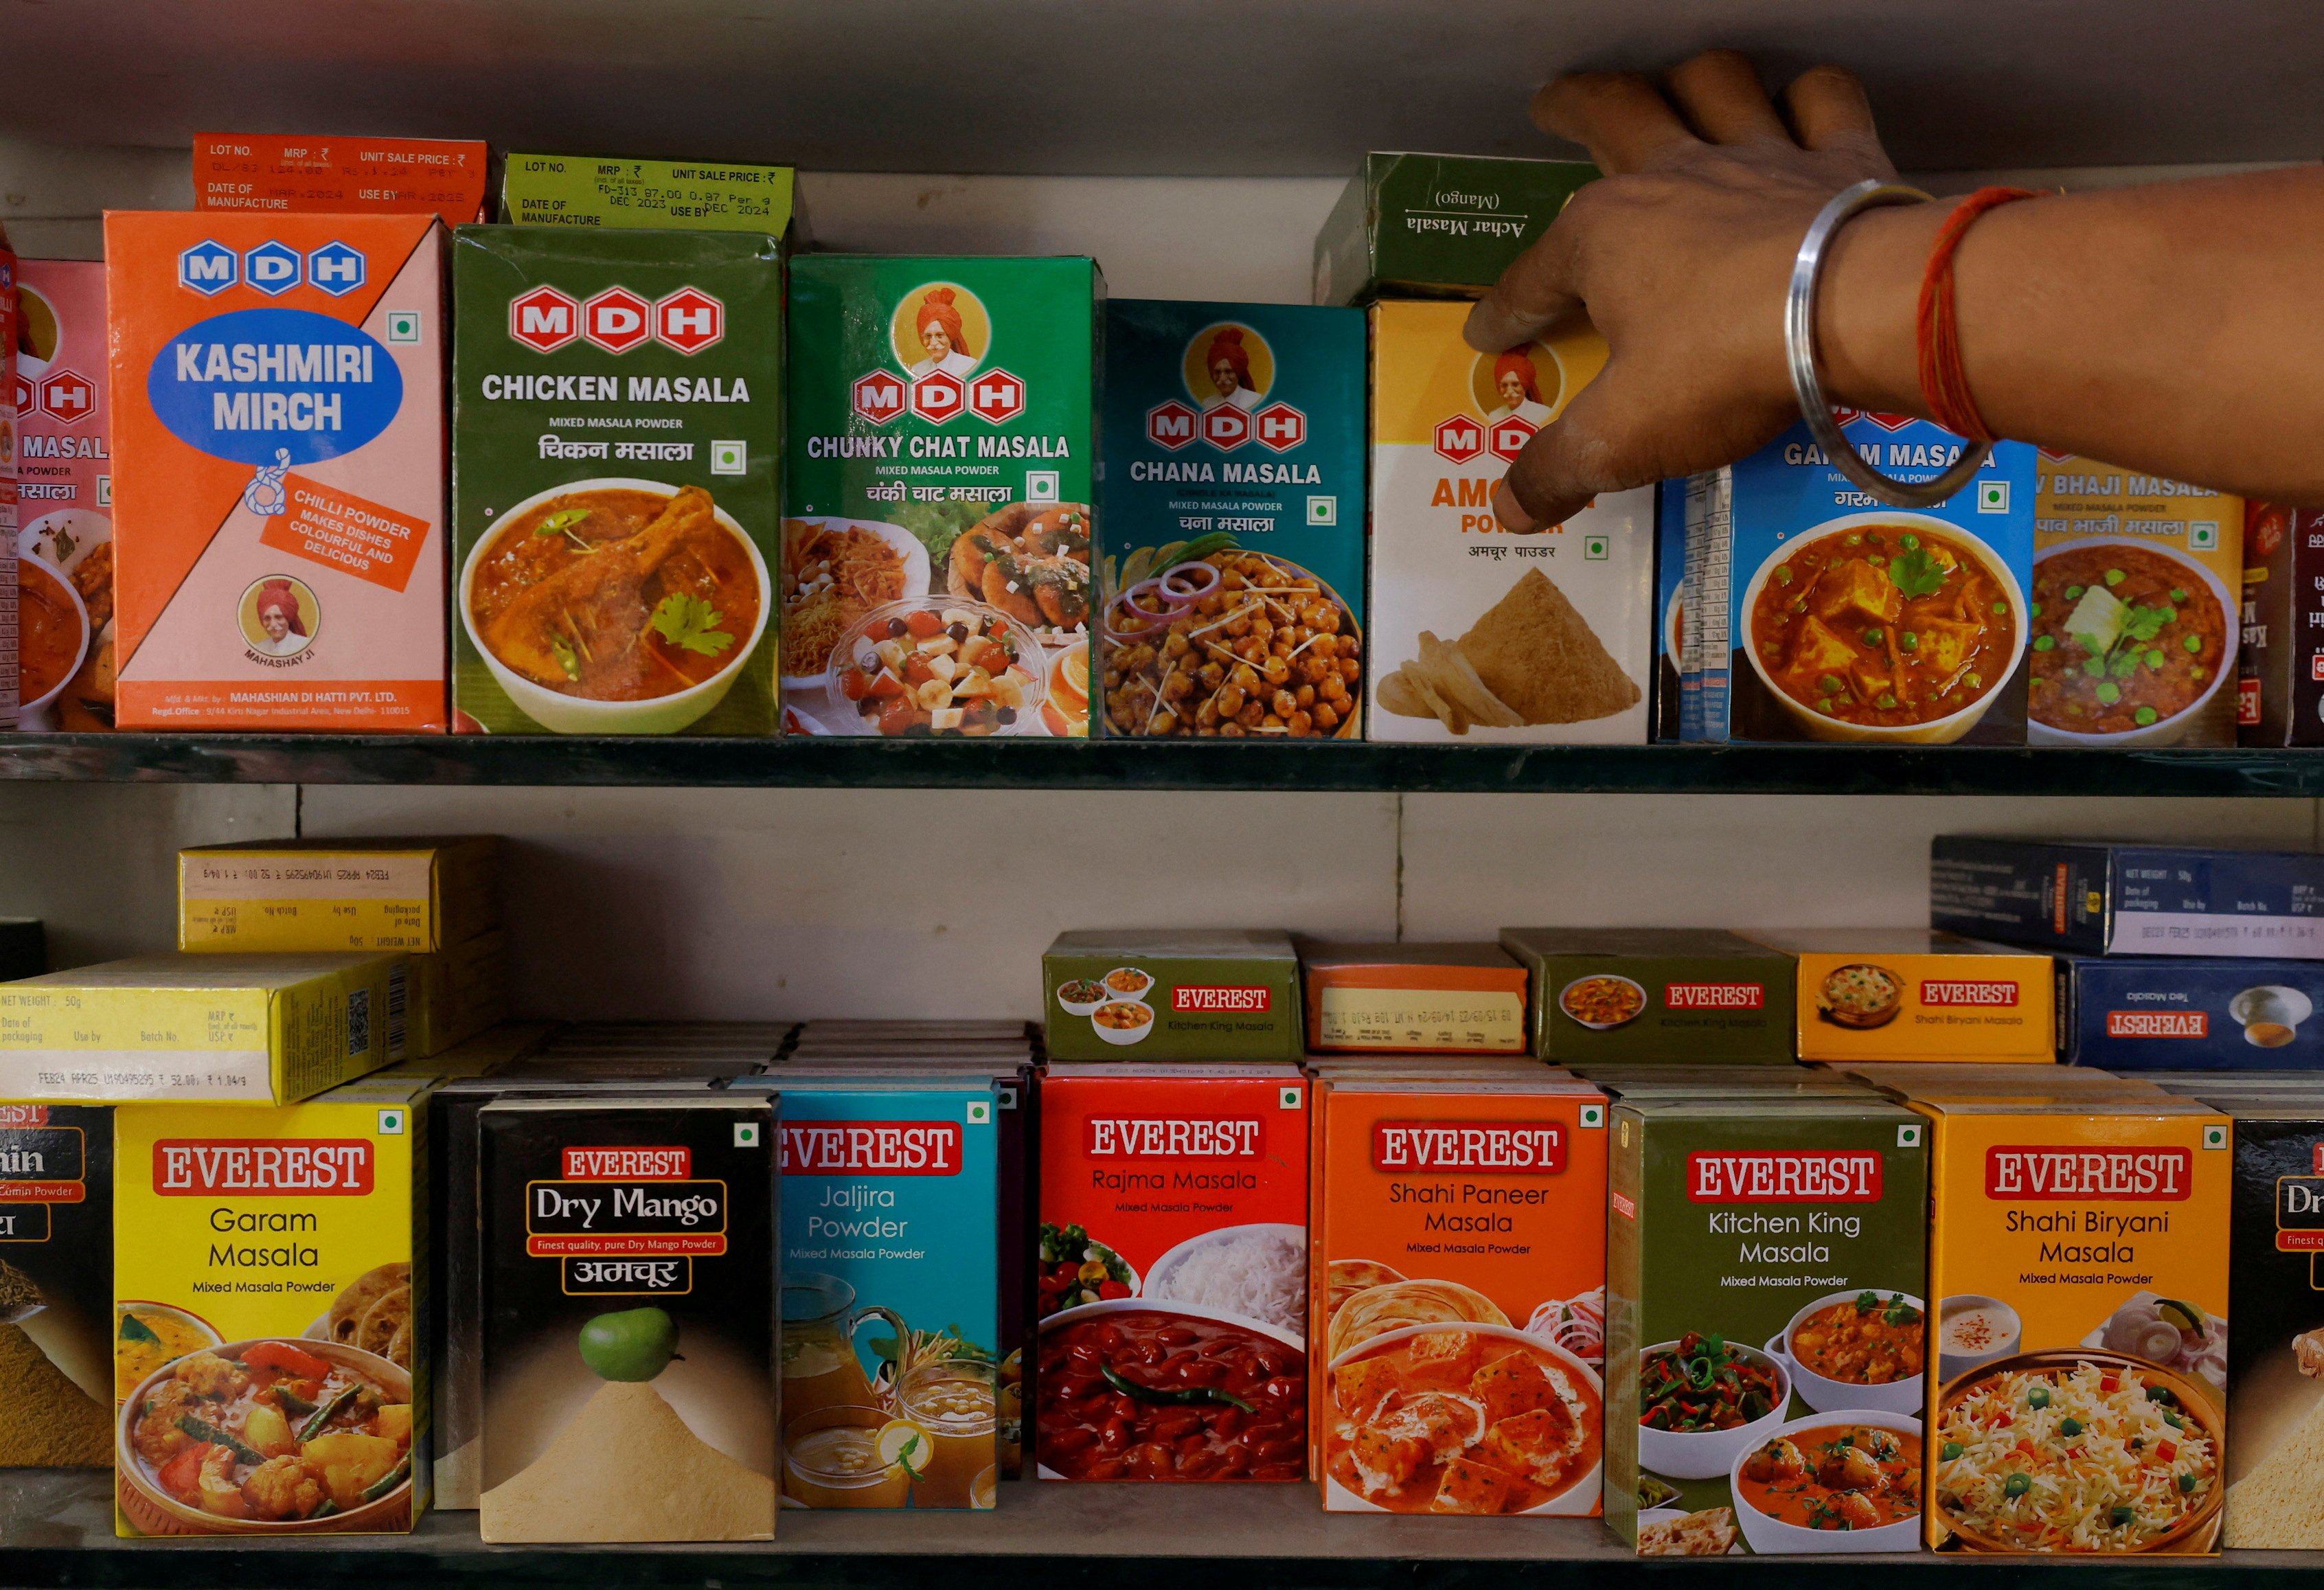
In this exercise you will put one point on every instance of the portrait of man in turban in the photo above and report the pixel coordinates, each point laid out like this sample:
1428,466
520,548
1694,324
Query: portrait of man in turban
937,321
1228,364
284,632
1519,385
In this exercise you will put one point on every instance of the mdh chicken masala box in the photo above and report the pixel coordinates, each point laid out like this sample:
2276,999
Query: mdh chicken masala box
270,1346
2078,1265
56,1286
1765,1283
1457,1288
64,575
277,420
1172,1280
1477,631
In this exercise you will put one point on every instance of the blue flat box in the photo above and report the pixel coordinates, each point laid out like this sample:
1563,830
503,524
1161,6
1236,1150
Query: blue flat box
2206,1013
2091,898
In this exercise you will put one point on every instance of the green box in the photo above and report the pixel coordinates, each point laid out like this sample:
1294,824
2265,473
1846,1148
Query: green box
943,431
600,379
1207,995
1736,1219
1437,226
1702,996
609,190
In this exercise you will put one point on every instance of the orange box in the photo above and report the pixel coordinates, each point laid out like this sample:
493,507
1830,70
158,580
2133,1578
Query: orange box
1414,998
296,174
278,470
1457,1291
1908,993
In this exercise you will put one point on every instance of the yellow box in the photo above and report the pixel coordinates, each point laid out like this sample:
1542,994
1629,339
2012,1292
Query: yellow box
457,992
290,895
246,1028
252,1248
2078,1270
1907,993
480,1056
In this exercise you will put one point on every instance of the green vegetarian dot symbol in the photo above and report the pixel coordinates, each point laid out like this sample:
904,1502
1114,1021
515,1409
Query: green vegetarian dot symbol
635,1344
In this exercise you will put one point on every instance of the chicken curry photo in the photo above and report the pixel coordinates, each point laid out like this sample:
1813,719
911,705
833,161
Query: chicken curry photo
1835,1476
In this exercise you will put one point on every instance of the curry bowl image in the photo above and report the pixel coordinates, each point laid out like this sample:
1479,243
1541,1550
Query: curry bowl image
1861,1349
1888,628
271,1435
1199,1393
1703,1400
1848,1480
2131,643
53,636
615,606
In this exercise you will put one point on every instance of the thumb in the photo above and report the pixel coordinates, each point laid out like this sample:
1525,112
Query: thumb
1572,459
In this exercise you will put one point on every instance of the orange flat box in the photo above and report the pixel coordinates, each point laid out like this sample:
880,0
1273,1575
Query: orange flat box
1457,1267
1466,999
270,172
1909,994
278,470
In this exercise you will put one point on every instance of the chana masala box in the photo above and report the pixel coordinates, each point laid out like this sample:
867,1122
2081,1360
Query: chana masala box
1458,1285
1172,1280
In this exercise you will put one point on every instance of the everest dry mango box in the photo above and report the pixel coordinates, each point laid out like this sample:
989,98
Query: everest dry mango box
278,430
65,577
2077,1269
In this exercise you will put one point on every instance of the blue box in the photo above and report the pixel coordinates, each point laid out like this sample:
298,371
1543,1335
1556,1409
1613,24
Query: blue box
2092,898
1670,613
1909,627
2203,1014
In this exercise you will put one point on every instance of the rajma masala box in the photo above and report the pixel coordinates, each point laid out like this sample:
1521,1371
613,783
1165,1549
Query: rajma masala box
2078,1264
1765,1284
269,1281
1655,994
1478,633
1201,993
279,427
1433,998
1437,226
1233,525
1903,993
1173,1230
1458,1286
64,581
56,1286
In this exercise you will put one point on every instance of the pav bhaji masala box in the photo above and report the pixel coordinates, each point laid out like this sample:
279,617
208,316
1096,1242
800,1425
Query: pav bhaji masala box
279,517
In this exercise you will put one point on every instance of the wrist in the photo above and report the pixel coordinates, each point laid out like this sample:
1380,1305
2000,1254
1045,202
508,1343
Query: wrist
1867,306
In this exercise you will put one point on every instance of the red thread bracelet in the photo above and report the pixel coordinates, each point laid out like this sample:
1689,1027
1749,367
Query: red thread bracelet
1944,383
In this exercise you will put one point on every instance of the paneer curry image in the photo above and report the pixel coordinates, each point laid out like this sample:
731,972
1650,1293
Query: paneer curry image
1883,629
249,1437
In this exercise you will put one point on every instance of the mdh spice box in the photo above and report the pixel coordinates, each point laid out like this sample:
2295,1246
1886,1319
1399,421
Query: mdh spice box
1654,994
56,1286
270,1344
2078,1264
936,531
1477,631
2280,667
1172,1282
1767,1299
1467,999
617,417
443,177
1215,994
1437,226
1231,559
1904,994
604,191
1459,1291
64,576
277,419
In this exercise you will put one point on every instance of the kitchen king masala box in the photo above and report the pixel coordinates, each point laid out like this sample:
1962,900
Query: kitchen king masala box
2078,1265
278,428
1458,1284
270,1275
1172,1235
65,512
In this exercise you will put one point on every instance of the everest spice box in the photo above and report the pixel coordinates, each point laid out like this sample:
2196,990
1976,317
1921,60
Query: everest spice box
2151,1012
271,1279
278,434
56,1286
1766,1289
2078,1265
1434,998
1479,633
1459,1287
943,456
629,1331
617,413
1694,994
2092,898
1234,496
1437,226
1173,1220
296,894
64,578
249,1028
1901,993
1223,994
598,190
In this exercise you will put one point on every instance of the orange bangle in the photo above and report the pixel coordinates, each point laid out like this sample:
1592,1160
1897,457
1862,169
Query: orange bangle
1944,383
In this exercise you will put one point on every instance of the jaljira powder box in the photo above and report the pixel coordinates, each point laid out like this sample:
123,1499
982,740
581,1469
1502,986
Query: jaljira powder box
1172,1273
2078,1263
1458,1285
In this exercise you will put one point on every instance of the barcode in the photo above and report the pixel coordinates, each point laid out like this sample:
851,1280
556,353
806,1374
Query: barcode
359,1022
398,983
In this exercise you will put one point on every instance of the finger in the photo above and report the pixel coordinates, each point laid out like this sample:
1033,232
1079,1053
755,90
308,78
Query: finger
1621,118
1535,291
1828,107
1718,91
1568,461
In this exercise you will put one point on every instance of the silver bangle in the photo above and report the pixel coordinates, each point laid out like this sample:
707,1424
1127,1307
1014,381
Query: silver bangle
1798,349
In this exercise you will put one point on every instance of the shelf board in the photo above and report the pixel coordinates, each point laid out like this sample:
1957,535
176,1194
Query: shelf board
1066,764
56,1529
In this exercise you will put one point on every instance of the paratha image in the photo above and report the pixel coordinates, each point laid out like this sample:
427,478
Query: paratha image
373,1312
1861,996
1377,1310
1350,1276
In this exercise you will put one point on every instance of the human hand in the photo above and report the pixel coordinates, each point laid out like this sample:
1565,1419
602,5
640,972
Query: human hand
1681,255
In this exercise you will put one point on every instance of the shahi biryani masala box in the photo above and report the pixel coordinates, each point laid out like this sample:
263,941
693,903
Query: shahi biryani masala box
2078,1267
278,432
1458,1286
268,1334
1906,994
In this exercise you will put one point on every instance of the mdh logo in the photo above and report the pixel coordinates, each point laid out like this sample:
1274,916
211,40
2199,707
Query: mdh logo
1508,437
209,267
545,318
1460,439
66,396
939,397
